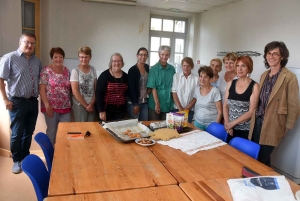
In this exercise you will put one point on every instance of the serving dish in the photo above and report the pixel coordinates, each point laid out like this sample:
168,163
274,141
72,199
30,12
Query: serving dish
125,130
145,145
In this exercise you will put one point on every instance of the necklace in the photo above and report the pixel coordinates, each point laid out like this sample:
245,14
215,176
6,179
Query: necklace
115,77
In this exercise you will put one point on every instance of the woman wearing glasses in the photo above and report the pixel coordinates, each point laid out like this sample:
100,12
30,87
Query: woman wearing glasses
111,90
137,87
278,105
83,82
55,91
240,100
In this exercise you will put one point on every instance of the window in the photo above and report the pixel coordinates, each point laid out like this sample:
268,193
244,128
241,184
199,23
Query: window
167,31
31,20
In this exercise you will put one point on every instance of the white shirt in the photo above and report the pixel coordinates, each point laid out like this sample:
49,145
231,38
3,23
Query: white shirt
223,85
184,87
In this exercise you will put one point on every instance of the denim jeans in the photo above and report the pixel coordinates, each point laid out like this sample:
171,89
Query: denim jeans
23,118
142,115
52,124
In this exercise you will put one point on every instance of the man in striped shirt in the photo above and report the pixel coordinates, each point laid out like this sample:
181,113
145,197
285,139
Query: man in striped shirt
21,70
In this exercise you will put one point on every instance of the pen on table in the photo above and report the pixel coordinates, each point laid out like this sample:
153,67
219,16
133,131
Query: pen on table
74,132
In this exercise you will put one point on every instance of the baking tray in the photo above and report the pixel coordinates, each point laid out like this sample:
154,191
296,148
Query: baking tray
116,129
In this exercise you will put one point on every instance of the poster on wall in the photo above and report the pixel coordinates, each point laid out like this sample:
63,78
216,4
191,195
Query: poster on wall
241,53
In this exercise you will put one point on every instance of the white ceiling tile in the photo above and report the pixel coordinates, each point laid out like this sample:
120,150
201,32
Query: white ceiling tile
186,5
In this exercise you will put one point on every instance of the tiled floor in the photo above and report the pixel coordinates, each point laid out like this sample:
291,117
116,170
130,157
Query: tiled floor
14,187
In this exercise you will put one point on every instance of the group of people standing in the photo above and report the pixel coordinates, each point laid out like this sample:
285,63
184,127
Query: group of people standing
246,108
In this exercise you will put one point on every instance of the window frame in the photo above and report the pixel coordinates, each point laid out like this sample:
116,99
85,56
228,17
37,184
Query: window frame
167,34
36,28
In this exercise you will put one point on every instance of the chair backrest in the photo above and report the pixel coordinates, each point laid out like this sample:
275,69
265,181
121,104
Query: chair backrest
43,140
34,167
217,130
246,146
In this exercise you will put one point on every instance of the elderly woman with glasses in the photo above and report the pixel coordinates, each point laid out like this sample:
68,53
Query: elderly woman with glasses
137,87
111,90
278,104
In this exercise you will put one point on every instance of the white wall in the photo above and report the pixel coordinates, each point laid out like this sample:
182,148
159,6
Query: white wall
103,27
10,25
248,26
10,31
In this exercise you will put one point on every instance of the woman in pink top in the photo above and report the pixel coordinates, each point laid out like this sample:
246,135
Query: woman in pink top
55,92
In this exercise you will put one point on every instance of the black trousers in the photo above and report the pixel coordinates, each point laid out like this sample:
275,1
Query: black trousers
265,150
238,133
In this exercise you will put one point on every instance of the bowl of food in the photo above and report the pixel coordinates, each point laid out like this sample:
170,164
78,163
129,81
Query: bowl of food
145,142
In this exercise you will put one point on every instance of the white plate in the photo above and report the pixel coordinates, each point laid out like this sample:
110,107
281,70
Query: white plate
145,145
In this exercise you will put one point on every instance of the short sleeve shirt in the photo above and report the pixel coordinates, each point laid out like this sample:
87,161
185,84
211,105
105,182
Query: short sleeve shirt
184,88
22,74
86,82
205,107
58,88
161,79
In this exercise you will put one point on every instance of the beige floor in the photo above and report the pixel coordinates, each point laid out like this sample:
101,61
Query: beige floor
14,187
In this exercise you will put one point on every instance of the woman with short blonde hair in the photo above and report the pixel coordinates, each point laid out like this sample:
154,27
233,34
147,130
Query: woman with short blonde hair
83,82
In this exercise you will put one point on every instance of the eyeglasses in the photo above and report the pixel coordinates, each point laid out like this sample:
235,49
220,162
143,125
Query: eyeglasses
143,55
116,61
29,43
87,134
274,54
86,57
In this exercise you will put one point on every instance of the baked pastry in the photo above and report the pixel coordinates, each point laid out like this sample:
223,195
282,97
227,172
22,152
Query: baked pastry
164,134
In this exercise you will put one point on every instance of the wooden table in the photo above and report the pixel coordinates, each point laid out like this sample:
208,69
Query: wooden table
217,189
100,163
221,162
171,192
100,167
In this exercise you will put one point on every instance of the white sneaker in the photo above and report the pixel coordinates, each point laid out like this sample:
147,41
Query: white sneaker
16,169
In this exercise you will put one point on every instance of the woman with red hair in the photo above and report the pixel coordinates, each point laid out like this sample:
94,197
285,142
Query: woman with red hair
240,99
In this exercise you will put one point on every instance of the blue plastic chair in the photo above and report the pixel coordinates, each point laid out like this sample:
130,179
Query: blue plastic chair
36,170
246,146
217,130
43,140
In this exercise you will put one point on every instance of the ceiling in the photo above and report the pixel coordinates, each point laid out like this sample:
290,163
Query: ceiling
195,6
190,6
